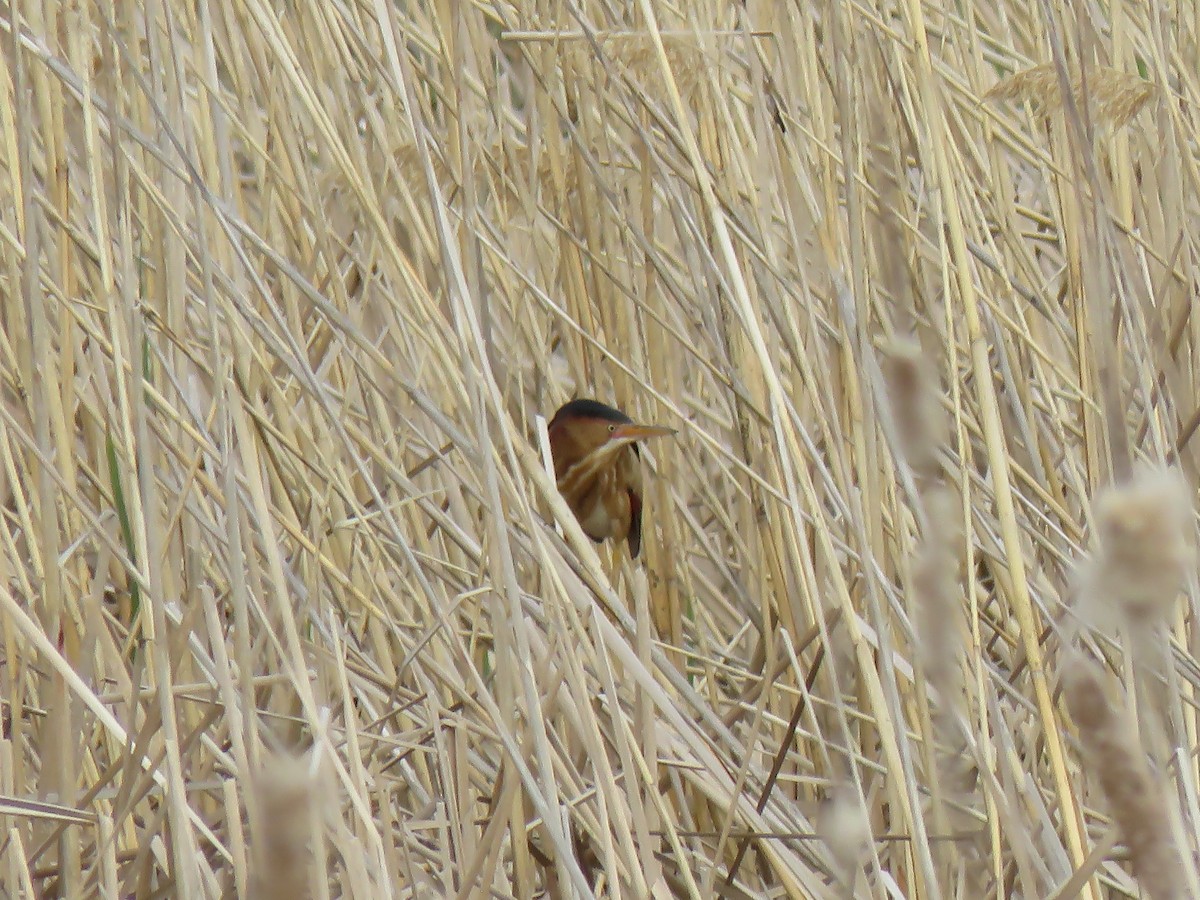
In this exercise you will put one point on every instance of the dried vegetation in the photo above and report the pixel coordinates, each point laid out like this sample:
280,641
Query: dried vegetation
289,605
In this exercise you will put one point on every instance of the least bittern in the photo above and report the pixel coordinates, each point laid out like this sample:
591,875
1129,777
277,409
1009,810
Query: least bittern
598,468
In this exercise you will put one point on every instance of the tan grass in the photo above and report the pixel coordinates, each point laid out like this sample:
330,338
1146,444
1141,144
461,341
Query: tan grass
285,290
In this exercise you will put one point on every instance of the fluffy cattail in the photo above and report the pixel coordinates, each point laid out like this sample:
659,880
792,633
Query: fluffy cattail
1135,798
937,581
1144,529
844,827
920,421
286,793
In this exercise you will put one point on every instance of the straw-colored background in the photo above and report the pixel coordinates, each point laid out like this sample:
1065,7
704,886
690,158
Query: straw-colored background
289,602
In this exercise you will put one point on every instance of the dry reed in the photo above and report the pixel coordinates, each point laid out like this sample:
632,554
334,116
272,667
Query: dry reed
285,290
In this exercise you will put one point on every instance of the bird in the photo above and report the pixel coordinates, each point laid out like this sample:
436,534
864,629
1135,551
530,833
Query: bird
597,466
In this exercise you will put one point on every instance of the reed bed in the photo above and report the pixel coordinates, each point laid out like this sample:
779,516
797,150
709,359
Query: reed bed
290,605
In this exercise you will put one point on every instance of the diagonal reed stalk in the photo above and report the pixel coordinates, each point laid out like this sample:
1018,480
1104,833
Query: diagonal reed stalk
288,601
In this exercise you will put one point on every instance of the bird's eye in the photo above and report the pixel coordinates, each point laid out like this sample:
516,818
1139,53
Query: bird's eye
612,428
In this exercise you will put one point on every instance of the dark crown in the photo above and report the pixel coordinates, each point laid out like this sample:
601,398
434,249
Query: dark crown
590,409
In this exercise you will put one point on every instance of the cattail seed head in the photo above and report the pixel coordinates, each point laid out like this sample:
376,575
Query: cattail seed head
844,827
937,580
1134,796
1144,530
286,793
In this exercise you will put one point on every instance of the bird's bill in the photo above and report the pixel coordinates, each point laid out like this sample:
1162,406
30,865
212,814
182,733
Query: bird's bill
640,432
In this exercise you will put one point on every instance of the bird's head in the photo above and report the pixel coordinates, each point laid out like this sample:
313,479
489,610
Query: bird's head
583,427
